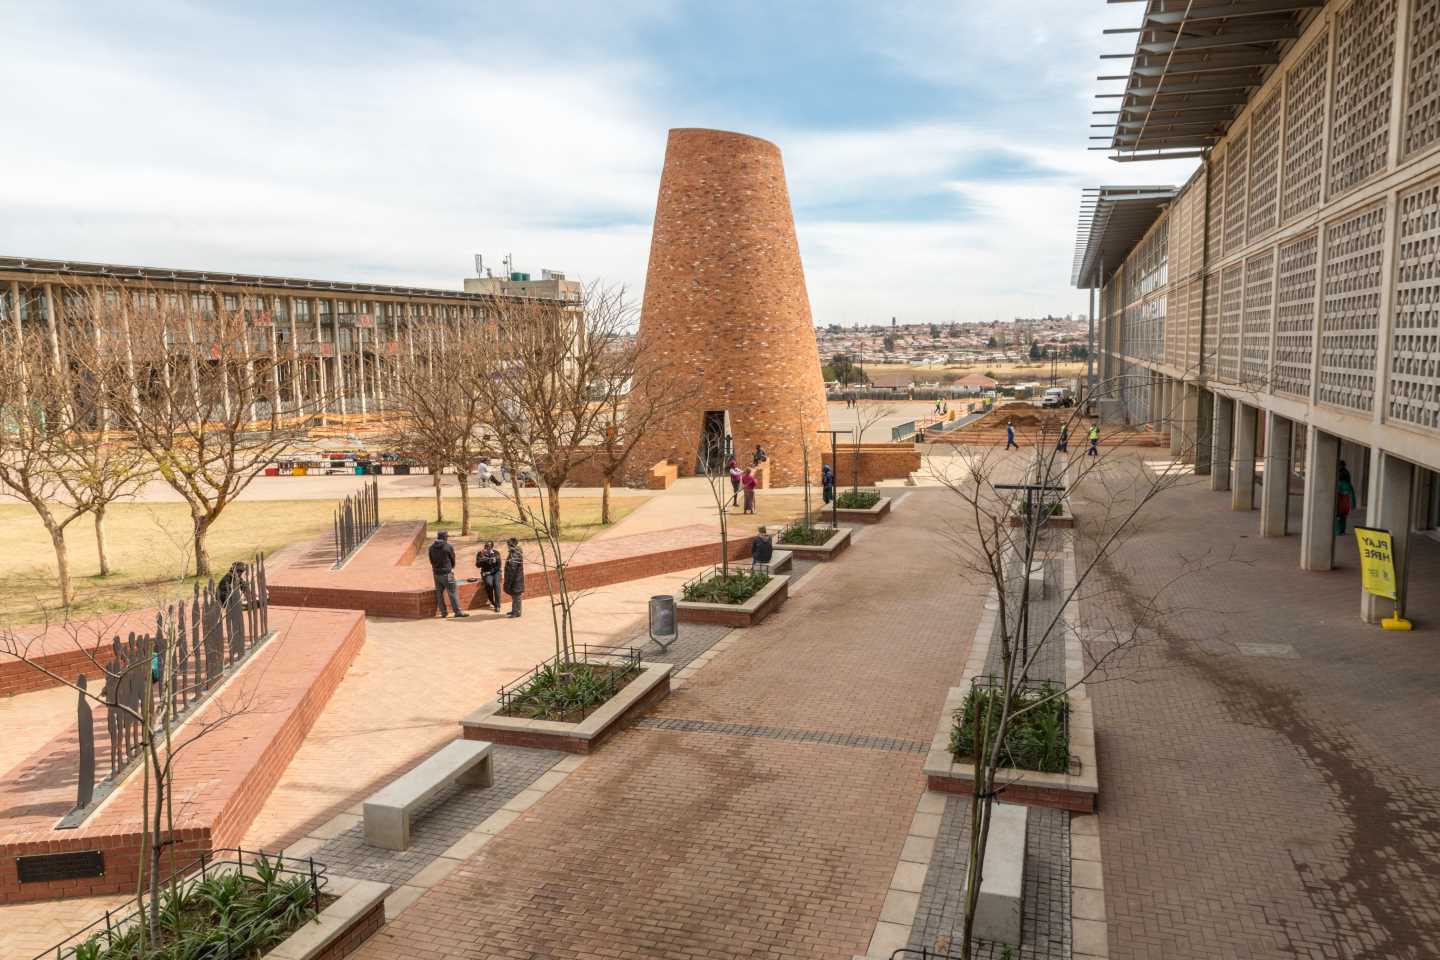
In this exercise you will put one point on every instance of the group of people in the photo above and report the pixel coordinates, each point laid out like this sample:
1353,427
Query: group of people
1063,444
487,561
745,481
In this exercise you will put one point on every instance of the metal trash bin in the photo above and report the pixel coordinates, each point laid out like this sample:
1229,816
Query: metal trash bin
664,624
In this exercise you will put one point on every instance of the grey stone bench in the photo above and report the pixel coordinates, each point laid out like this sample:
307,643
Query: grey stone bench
388,812
1000,909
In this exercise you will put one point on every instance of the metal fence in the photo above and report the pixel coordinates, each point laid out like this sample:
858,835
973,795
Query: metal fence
117,929
625,659
357,517
186,657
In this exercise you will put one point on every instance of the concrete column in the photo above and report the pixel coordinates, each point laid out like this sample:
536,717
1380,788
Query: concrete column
1223,434
1204,433
1275,500
1317,525
1174,403
52,322
1242,480
360,354
1391,506
1189,408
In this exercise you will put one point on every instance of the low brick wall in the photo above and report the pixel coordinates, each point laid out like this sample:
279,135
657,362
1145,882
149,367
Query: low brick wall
662,476
1020,793
736,615
559,741
363,929
878,461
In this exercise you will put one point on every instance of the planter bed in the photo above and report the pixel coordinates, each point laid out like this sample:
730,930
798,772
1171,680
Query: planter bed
1067,791
357,913
857,514
765,602
832,547
630,702
1064,520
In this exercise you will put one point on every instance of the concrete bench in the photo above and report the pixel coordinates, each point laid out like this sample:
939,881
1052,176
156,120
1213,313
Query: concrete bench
1000,909
388,812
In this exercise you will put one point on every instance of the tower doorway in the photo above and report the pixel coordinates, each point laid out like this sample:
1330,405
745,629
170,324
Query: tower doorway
715,442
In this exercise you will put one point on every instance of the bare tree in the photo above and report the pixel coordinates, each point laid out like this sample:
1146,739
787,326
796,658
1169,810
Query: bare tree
627,423
1006,531
184,388
714,457
41,443
867,414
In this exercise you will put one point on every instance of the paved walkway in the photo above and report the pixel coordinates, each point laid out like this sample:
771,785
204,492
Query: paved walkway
1271,779
763,809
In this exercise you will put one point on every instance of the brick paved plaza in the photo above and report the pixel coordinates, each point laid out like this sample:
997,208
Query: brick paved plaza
1271,780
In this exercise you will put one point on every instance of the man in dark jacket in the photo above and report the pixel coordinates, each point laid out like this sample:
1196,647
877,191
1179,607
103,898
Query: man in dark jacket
827,482
514,575
761,549
442,567
488,560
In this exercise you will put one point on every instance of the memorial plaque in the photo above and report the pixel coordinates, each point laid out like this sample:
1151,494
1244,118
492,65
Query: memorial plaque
47,867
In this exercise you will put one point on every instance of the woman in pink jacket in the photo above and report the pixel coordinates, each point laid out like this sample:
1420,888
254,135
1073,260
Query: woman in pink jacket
749,483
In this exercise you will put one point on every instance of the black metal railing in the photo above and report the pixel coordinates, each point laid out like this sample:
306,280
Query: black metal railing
190,653
357,517
114,933
922,953
625,659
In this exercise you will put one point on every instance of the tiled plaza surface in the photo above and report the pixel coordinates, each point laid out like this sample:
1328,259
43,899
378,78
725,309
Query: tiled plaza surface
1270,771
761,811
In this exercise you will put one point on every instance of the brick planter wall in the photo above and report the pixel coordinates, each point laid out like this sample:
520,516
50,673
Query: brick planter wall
878,461
736,615
570,743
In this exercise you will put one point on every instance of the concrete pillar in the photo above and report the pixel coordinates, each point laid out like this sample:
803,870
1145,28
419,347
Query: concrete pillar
1242,479
1317,524
1204,433
360,355
1174,404
323,404
1223,438
1189,410
1392,499
1275,499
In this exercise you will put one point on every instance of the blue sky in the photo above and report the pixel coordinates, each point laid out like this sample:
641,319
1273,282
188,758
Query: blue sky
935,152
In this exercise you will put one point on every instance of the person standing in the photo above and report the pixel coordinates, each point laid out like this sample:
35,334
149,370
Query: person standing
1094,450
1344,497
749,483
1010,435
488,560
734,483
1063,446
827,482
442,568
762,548
514,575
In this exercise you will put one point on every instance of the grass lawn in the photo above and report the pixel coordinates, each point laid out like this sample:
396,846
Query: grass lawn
150,545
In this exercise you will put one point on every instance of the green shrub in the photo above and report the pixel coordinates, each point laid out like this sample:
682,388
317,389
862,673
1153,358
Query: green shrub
737,587
559,692
857,499
1052,509
805,534
1036,740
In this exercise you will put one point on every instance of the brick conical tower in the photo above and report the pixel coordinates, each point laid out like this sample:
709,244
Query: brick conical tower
725,310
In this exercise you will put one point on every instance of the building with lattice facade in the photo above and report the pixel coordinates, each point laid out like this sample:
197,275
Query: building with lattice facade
1280,312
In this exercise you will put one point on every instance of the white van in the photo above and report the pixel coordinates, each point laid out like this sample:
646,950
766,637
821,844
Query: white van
1057,397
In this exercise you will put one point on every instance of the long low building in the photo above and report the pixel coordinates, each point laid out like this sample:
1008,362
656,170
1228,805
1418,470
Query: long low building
334,338
1280,312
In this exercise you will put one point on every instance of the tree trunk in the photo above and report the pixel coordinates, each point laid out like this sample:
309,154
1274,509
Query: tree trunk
439,507
100,541
464,504
554,510
605,501
62,564
202,556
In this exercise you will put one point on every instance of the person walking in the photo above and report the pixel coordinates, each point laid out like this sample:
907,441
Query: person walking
1094,450
762,548
748,483
514,575
1010,435
442,568
1344,497
1063,446
735,475
488,560
827,482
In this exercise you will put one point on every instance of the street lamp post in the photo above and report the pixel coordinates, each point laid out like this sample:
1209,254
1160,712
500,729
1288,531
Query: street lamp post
835,469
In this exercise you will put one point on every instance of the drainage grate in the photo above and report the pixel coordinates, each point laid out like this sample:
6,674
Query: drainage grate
784,733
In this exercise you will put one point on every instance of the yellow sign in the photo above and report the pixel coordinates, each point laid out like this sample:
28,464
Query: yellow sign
1377,561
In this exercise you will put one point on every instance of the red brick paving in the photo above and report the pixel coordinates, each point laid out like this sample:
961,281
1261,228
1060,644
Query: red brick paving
671,844
1260,806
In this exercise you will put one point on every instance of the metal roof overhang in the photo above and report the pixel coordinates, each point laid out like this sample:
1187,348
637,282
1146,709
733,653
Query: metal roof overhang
1112,221
142,275
1195,64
